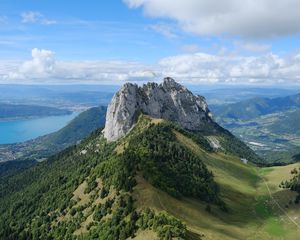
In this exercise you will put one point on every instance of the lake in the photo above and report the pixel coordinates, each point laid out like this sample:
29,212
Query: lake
26,129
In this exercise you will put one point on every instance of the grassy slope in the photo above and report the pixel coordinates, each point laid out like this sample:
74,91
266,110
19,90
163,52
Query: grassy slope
252,214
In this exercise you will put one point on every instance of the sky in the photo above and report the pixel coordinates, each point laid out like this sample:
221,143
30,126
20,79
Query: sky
253,42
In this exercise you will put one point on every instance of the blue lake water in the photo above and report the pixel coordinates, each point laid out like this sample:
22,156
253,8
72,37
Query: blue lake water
25,129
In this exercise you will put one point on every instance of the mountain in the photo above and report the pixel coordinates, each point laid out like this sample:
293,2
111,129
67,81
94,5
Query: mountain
43,147
271,129
13,111
281,157
256,107
287,123
158,180
168,100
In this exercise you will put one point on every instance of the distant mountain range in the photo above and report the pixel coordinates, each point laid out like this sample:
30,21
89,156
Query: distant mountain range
67,96
256,107
15,111
270,126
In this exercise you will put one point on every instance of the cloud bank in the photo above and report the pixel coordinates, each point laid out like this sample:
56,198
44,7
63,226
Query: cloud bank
44,68
196,68
205,68
247,18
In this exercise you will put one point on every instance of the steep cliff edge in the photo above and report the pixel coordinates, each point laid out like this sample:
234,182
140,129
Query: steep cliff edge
169,101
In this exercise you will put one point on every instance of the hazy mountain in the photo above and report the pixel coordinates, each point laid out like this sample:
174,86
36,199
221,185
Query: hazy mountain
255,107
286,123
270,126
67,96
13,111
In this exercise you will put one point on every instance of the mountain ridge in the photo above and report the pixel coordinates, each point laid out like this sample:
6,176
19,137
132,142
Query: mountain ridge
258,106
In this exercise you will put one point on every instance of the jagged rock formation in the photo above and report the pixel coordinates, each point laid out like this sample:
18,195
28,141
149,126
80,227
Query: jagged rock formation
169,100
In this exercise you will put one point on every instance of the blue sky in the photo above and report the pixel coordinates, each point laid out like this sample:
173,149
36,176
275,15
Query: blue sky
84,30
200,41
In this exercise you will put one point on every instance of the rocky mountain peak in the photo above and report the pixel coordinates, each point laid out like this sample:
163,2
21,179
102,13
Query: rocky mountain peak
168,100
170,83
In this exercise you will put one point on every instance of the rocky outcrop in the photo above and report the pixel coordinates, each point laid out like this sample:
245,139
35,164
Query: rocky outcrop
169,100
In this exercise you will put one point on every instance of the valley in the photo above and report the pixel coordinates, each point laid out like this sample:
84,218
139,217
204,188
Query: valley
269,126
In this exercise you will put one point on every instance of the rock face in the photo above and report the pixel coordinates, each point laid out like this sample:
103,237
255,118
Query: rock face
169,100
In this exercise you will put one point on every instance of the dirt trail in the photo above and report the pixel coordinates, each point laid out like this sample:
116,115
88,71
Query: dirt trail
278,205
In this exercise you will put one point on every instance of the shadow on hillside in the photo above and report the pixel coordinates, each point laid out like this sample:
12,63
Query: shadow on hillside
194,236
285,197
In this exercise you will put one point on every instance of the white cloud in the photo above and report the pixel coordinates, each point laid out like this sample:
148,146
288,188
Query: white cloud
246,18
36,17
44,68
267,68
200,67
42,63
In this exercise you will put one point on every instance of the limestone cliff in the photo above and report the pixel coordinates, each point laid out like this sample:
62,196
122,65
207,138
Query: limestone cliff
169,100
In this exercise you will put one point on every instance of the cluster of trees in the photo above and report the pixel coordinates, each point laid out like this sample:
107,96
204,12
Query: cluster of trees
165,225
293,184
172,167
125,222
91,185
102,210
